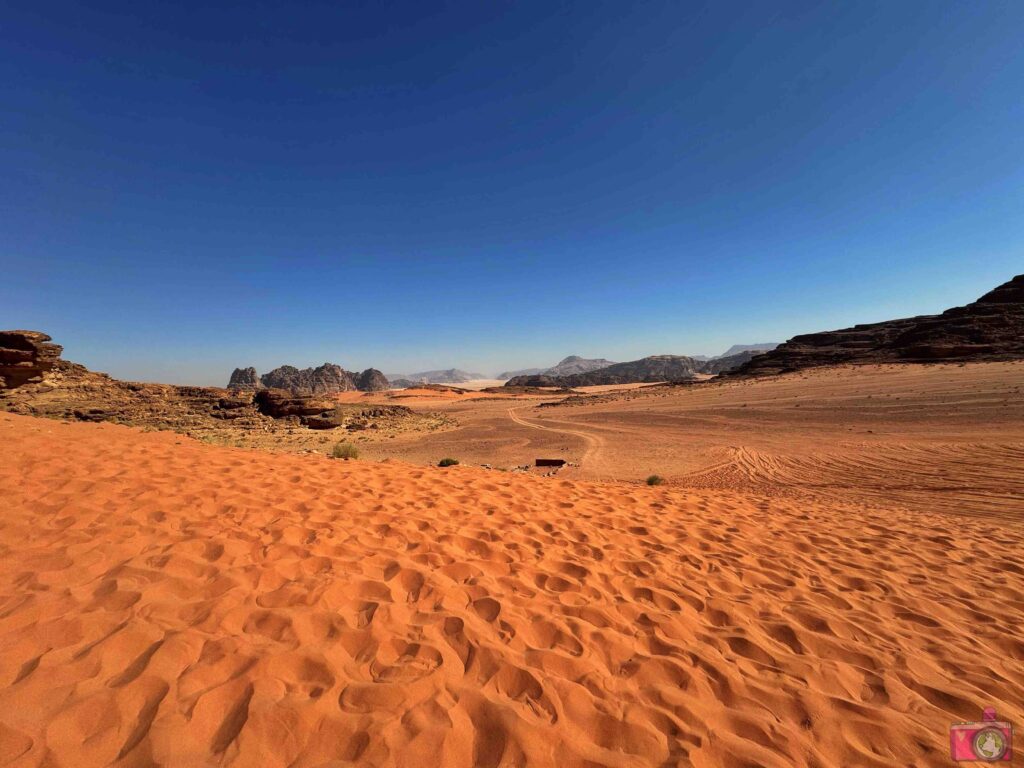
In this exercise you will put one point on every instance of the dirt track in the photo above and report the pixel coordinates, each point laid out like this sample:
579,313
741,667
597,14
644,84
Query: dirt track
935,437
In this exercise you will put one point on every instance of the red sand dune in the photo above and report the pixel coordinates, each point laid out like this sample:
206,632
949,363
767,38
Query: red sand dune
165,602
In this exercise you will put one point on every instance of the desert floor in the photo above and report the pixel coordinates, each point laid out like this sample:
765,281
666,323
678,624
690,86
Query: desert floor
832,584
937,437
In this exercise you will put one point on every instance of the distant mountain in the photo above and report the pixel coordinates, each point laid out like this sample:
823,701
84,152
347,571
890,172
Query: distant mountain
649,369
574,364
735,349
566,367
723,364
395,381
447,376
991,328
523,372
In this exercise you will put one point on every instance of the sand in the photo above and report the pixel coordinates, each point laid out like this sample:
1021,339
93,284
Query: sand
925,438
166,602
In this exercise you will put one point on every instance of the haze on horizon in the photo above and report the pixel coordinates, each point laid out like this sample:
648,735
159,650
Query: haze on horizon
194,187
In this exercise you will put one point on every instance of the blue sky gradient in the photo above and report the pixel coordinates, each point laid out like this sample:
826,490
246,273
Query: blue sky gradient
190,187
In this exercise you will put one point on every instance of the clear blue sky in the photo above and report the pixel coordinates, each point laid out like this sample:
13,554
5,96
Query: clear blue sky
188,187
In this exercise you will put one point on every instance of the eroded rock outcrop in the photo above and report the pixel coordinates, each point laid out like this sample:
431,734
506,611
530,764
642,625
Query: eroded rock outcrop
322,380
372,380
55,388
280,403
25,356
326,379
245,379
991,328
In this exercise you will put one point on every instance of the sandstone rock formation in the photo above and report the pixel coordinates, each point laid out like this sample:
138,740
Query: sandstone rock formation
37,382
71,391
326,379
322,380
372,380
280,403
25,356
991,328
321,412
244,379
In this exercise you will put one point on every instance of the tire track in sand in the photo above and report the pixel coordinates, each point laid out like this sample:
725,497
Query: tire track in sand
594,443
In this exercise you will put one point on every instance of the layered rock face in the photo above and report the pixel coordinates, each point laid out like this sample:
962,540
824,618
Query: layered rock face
991,328
25,356
245,379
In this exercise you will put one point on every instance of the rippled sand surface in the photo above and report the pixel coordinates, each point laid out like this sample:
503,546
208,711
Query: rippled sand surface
165,602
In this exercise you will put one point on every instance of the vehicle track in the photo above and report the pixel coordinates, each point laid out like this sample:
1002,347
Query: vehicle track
594,443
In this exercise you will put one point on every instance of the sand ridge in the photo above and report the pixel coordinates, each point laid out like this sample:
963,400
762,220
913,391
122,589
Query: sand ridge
168,602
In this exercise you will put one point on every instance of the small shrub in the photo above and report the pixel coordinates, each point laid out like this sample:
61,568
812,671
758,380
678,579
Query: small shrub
447,462
345,451
655,480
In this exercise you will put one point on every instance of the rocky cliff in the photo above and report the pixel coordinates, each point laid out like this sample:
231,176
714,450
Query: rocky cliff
991,328
36,382
25,356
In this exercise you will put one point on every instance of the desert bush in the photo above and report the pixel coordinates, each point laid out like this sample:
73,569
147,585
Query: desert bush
345,451
655,480
447,462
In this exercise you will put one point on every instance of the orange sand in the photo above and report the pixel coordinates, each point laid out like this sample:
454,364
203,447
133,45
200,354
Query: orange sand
165,602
